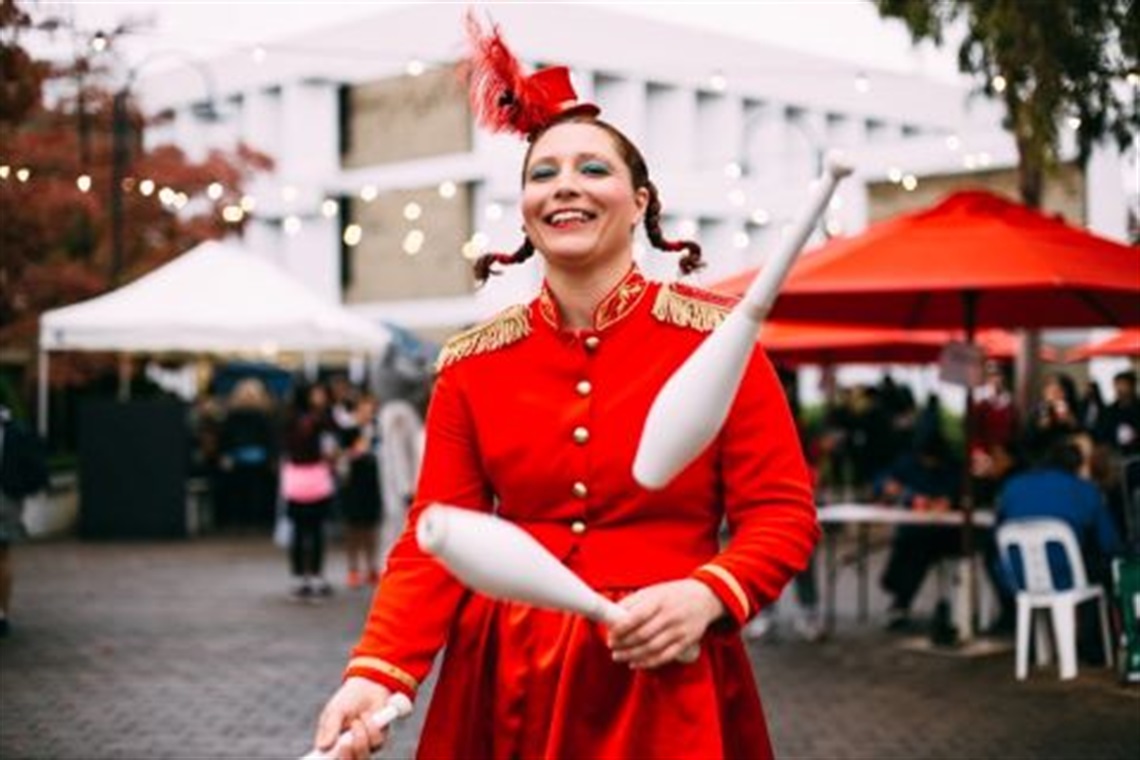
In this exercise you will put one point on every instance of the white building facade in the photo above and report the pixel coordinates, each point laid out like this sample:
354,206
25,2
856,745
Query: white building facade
733,131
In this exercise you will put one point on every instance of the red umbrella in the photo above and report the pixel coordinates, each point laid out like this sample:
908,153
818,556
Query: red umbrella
823,343
972,260
1124,343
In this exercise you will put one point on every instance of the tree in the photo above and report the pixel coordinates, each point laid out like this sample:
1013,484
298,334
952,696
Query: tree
56,177
1052,63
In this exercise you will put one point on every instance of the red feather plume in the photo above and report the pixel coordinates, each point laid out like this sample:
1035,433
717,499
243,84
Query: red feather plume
503,98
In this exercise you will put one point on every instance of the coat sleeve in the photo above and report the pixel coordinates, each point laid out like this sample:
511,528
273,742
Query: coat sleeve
767,497
417,598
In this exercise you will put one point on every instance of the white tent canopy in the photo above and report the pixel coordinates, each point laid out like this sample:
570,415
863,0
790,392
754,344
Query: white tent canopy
216,298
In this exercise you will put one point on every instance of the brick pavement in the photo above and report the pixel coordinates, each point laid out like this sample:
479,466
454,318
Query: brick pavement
192,650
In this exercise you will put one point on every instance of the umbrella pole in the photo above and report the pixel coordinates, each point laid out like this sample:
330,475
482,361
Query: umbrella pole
970,304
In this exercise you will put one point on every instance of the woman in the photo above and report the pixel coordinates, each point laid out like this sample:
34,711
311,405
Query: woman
248,444
308,487
536,415
360,498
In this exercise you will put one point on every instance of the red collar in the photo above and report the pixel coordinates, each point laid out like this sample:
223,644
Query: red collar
617,304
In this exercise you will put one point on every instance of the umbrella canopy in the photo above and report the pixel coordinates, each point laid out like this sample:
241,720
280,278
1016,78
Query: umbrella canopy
821,343
973,259
1124,343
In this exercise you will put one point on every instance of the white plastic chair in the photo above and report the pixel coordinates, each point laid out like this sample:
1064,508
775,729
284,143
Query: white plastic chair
1040,593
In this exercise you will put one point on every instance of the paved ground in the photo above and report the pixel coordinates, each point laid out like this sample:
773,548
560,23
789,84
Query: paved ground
192,650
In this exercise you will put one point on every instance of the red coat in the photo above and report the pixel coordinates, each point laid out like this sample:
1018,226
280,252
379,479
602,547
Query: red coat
541,424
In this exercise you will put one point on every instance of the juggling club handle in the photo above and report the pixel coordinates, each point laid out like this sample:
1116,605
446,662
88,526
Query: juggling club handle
398,706
611,613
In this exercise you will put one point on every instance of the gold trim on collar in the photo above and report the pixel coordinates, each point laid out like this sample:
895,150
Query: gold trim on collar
508,326
385,667
615,306
686,306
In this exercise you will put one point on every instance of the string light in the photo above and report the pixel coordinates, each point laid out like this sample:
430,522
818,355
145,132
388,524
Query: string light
291,225
23,174
862,83
741,240
412,211
733,170
180,200
166,196
83,182
146,187
232,214
248,203
447,189
909,182
493,212
352,235
760,217
5,170
259,54
413,242
415,67
718,82
953,142
1074,123
998,83
368,193
329,208
215,191
984,159
894,174
99,42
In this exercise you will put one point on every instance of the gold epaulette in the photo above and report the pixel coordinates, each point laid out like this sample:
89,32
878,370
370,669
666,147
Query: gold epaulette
508,326
695,308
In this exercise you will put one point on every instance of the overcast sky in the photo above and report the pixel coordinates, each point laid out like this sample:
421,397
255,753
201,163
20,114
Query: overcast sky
849,29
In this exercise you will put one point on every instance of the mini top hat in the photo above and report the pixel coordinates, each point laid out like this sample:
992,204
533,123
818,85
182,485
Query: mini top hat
504,98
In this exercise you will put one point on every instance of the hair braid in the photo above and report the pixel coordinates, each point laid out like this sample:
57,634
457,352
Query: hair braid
691,261
483,265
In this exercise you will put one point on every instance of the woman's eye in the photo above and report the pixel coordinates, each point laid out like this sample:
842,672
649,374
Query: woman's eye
595,168
542,171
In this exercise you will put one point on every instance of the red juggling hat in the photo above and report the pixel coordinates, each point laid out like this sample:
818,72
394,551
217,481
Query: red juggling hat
506,99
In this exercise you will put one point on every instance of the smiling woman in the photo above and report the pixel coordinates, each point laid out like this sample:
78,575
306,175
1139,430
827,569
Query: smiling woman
534,417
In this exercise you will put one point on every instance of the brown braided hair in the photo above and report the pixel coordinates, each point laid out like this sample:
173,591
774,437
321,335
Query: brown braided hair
639,174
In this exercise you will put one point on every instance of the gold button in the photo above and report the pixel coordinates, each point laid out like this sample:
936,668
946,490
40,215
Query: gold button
581,435
578,527
584,387
592,342
580,490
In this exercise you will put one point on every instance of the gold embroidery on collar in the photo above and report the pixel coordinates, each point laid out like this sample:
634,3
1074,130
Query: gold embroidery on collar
686,306
616,305
507,327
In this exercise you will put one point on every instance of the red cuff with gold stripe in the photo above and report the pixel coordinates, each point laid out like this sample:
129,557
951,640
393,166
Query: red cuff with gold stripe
728,589
384,673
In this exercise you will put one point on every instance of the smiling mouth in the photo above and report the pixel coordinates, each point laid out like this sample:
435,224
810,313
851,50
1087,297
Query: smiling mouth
569,218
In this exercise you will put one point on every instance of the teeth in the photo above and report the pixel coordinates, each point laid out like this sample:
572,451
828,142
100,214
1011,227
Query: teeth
569,216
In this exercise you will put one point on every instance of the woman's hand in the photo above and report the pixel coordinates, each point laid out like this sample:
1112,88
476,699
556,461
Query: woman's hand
665,619
348,710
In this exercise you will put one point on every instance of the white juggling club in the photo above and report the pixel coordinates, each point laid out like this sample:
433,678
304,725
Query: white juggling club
692,405
398,706
501,560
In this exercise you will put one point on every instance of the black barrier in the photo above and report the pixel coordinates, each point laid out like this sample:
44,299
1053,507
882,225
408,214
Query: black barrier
134,462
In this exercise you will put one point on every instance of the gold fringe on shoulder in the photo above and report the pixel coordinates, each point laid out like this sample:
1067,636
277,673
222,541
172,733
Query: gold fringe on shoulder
507,327
688,307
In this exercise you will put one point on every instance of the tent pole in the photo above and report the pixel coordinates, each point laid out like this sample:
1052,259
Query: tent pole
42,394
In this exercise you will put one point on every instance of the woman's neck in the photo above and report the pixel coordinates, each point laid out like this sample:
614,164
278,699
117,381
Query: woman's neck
578,293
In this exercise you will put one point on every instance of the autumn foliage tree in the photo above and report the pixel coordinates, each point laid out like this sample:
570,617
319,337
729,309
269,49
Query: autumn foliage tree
56,176
1053,64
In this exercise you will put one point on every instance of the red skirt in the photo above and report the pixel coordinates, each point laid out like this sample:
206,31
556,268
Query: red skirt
519,682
